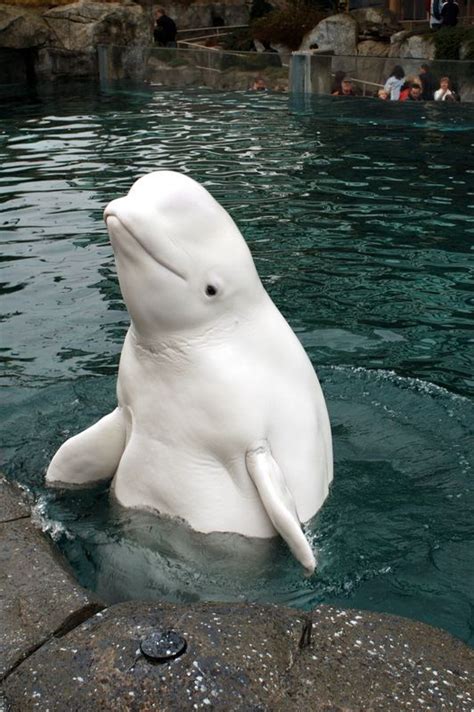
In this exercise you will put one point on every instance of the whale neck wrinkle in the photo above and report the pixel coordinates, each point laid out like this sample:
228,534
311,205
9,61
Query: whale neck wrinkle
183,345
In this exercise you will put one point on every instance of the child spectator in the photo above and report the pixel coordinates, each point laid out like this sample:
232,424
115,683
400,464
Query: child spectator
259,85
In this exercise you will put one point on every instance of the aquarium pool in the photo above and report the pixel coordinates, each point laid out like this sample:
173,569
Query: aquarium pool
360,217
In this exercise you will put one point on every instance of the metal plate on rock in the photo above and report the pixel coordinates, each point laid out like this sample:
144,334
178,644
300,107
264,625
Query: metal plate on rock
163,645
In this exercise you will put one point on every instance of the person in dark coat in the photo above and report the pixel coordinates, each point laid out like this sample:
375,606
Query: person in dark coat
449,14
428,83
165,29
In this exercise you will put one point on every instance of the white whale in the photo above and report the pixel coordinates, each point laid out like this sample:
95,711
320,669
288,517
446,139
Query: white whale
221,420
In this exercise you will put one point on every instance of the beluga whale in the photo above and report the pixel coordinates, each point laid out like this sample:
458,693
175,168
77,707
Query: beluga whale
221,420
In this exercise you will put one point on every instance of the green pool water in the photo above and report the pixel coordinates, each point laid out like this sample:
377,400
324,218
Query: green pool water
360,217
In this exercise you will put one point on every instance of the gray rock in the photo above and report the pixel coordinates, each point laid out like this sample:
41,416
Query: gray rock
82,26
337,33
417,47
399,37
67,36
370,48
376,22
200,14
21,28
12,502
38,596
247,657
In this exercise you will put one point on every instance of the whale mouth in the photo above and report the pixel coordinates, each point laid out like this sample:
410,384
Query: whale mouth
160,260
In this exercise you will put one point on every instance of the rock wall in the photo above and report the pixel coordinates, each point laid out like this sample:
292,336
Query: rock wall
63,41
201,14
337,33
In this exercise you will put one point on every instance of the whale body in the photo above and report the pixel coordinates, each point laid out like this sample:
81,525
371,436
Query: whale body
221,420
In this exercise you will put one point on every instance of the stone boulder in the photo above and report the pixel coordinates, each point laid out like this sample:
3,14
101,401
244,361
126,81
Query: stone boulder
21,28
202,13
337,33
414,47
82,26
371,63
38,595
243,658
77,30
370,48
376,22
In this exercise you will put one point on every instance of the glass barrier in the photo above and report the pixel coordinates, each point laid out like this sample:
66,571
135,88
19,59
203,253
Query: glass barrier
309,72
314,73
178,67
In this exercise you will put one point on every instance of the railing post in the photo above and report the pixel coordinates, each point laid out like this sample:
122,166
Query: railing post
300,73
103,63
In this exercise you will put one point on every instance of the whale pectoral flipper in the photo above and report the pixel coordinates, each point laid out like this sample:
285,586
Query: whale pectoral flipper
92,455
278,502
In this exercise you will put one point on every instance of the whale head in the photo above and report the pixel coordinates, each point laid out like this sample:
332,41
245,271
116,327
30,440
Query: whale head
181,261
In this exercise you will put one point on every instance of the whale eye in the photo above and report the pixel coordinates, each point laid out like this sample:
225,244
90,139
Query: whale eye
210,290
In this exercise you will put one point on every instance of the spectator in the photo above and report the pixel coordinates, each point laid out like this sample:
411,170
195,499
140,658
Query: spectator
445,93
346,89
415,93
434,13
259,84
428,83
449,14
405,90
395,82
216,20
382,94
336,88
165,29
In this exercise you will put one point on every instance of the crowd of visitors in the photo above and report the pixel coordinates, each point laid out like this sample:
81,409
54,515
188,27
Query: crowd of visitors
422,87
398,87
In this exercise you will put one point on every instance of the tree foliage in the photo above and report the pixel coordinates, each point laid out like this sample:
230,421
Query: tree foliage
448,41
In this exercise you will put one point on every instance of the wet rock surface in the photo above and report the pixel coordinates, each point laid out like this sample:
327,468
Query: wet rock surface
59,651
13,504
38,596
247,657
